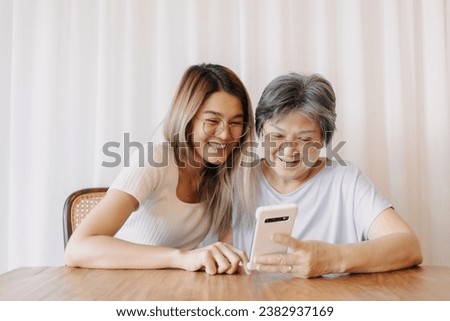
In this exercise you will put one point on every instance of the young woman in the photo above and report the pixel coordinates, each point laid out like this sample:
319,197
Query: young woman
155,216
343,224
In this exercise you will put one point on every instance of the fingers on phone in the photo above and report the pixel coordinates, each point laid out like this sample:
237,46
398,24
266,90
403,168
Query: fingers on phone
282,239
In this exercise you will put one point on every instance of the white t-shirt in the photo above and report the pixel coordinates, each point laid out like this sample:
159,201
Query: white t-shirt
337,205
161,219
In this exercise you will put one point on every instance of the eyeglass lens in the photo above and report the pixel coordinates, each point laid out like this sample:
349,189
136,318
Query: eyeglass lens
215,127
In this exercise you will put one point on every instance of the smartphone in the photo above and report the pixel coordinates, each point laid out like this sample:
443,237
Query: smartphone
270,220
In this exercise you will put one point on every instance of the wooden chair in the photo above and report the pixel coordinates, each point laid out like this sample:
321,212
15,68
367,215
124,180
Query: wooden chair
77,206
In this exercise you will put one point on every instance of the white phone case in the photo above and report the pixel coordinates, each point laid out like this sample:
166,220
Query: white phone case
269,220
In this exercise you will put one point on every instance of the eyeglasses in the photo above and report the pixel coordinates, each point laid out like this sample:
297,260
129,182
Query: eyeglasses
214,126
301,143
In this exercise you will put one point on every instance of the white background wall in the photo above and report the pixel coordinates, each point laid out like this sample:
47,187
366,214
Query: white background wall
77,74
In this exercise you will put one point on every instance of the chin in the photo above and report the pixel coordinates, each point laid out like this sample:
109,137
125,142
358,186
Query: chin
216,158
215,161
288,172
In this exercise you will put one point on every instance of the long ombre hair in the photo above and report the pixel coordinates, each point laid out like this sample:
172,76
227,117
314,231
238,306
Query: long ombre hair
218,183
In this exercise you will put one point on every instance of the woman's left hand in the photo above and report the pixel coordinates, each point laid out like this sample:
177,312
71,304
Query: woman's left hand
217,258
307,259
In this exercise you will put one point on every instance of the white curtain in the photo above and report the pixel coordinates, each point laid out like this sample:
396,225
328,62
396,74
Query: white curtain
76,74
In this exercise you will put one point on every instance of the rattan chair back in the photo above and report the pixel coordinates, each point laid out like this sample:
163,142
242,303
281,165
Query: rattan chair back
77,206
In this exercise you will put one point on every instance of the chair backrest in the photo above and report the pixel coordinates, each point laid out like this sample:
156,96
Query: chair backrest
77,206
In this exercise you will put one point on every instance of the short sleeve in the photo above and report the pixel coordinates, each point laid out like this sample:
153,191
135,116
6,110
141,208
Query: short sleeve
368,204
142,177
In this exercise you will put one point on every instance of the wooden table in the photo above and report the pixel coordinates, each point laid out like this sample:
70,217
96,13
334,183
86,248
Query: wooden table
62,283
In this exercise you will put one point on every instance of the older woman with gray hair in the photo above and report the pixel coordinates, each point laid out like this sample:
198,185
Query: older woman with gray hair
343,224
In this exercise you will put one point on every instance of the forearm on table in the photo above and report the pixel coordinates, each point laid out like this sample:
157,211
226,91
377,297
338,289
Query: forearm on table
111,253
387,253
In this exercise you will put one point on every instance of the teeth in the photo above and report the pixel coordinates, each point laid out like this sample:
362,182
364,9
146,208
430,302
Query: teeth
289,163
216,145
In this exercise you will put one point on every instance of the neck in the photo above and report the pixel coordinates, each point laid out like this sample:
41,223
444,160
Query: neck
285,186
189,164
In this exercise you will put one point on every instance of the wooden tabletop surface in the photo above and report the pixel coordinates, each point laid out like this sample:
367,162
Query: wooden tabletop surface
63,283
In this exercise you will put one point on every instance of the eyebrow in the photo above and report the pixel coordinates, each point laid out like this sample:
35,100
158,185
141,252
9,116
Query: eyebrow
308,131
217,114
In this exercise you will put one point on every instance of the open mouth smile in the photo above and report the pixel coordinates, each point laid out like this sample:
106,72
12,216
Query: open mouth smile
289,163
217,145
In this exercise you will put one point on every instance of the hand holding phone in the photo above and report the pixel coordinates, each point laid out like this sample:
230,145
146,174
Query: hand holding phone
270,220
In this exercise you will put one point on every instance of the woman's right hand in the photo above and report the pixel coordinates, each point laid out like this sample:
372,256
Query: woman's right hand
217,258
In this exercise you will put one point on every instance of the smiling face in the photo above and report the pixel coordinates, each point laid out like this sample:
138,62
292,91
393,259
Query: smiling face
291,150
215,146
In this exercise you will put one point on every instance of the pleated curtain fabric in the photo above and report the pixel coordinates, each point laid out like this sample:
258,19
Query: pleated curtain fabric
76,76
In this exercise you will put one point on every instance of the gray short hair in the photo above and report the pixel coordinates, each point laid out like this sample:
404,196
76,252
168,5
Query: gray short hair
310,95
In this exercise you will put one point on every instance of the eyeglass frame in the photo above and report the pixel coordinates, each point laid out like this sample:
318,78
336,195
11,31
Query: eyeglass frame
219,129
287,142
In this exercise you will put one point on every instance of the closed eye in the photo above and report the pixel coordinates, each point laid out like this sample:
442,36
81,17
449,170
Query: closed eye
237,123
276,135
212,121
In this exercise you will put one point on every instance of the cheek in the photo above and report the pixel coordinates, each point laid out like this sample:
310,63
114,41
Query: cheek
272,150
310,159
197,132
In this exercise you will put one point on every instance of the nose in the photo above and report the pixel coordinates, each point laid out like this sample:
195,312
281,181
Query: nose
289,148
225,133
